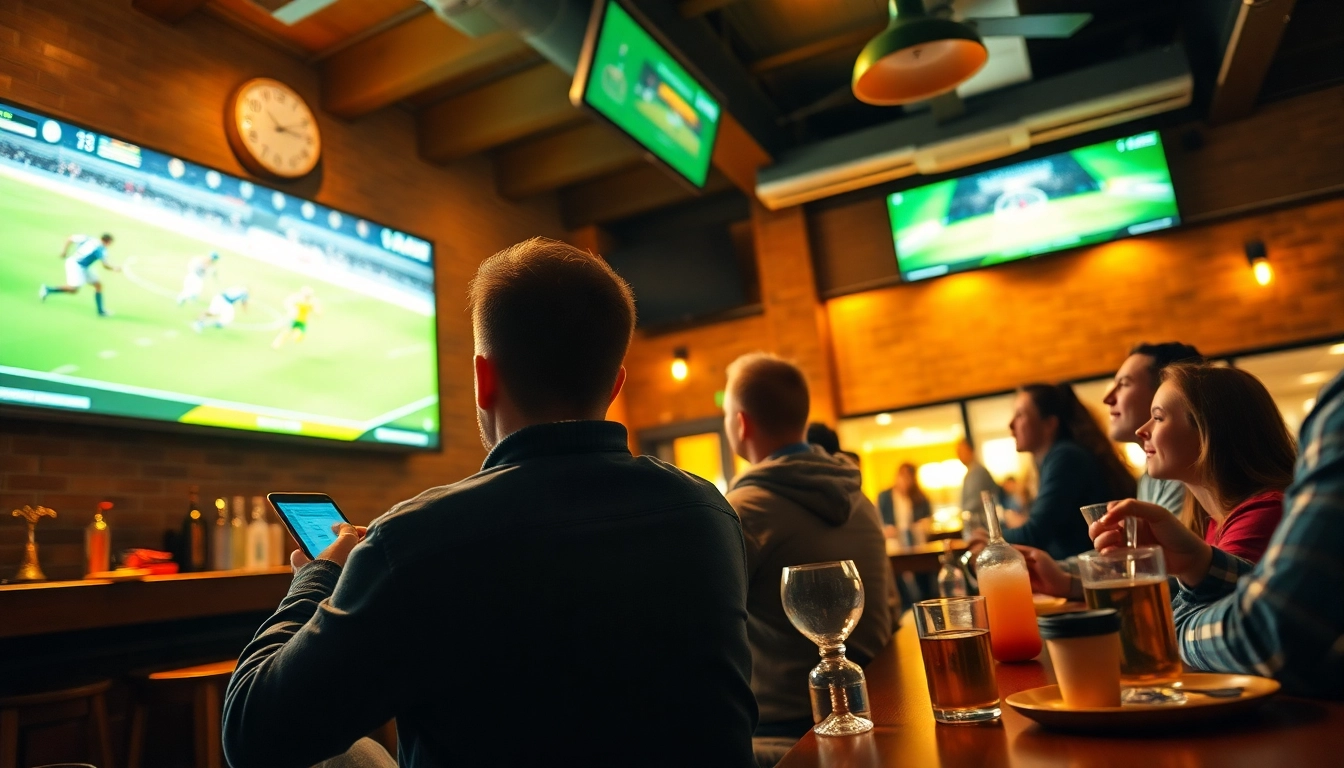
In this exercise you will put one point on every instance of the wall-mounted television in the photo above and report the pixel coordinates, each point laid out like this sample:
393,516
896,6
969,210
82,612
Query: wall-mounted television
633,80
228,304
1092,194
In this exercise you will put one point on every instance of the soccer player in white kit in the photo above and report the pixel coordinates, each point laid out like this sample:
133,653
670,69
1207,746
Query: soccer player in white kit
79,268
198,269
221,310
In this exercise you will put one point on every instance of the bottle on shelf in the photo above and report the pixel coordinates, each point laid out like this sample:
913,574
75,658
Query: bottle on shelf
951,581
258,538
194,540
279,539
1006,586
98,541
221,549
238,534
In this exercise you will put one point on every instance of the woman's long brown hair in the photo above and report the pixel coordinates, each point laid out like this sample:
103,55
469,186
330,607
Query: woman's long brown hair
1077,424
917,495
1244,447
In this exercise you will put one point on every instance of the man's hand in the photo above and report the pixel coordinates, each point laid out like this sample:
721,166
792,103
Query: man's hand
347,536
1047,577
1186,555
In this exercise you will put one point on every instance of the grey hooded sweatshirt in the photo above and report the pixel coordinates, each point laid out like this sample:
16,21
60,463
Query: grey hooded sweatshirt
806,507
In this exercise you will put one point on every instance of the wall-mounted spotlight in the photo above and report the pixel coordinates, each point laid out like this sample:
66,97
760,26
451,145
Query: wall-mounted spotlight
1258,258
679,367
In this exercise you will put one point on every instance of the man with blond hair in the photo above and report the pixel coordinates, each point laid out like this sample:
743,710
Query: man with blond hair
798,504
569,604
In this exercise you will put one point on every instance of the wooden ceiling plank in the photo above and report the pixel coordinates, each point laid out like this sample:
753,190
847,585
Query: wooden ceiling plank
168,11
854,37
407,59
691,9
737,155
513,108
629,193
562,159
1247,58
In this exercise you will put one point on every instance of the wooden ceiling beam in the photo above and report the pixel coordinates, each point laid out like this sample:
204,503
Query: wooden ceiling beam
854,37
737,155
410,58
521,105
622,195
691,9
563,159
168,11
1246,60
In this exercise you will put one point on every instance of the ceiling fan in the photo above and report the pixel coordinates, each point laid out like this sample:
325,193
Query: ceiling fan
924,54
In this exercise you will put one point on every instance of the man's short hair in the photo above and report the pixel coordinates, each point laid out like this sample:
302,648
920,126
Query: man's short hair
771,391
822,435
1165,354
556,322
106,238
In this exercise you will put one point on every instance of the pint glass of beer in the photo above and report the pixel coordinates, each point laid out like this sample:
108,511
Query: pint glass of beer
954,641
1134,583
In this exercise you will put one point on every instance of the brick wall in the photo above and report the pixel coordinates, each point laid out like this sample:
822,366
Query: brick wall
107,66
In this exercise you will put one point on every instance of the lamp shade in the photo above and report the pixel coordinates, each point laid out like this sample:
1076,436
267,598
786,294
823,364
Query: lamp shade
916,58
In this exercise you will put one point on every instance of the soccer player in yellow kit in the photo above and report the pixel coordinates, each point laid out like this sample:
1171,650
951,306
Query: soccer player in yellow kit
300,307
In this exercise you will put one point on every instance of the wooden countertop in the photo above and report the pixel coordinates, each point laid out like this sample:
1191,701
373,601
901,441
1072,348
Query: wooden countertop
61,606
1286,731
920,558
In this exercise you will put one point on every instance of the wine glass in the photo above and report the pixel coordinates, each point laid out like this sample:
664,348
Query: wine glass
824,601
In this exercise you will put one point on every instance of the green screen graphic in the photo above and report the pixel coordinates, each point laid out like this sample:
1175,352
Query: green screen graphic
231,305
637,85
1089,195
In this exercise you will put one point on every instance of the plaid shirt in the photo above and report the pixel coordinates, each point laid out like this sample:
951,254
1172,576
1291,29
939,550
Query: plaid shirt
1283,618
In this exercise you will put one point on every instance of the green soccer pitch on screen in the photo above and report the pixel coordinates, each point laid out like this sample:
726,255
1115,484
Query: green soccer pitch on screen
630,79
1093,194
136,284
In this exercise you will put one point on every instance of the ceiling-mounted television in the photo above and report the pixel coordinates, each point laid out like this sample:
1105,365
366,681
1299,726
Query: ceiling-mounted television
1092,194
631,78
223,303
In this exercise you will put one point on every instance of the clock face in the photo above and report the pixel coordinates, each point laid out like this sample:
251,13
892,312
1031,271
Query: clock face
273,131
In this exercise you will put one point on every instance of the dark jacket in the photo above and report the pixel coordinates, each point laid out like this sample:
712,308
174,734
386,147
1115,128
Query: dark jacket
886,508
1071,478
568,605
806,508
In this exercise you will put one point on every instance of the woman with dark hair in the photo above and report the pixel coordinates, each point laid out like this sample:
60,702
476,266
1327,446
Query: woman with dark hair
1076,463
1218,431
904,506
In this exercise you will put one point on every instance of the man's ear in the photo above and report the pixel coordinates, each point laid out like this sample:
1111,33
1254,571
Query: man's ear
620,382
487,383
745,429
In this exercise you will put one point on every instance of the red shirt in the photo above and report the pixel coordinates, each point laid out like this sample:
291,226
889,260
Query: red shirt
1246,530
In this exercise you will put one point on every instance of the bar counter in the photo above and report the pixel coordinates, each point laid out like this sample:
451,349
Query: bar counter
1286,731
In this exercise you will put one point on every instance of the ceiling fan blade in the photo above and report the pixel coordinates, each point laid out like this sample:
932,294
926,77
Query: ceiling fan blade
1040,25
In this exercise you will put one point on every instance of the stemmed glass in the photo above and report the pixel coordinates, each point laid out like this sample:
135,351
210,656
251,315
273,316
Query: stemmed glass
824,601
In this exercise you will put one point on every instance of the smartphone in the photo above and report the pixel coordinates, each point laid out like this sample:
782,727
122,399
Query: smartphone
309,518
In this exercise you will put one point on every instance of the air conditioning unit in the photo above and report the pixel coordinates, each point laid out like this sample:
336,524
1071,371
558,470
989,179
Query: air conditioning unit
997,124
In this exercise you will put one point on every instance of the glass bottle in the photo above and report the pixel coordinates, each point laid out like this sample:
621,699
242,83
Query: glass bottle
279,542
195,538
98,541
1006,586
951,581
221,549
258,538
238,534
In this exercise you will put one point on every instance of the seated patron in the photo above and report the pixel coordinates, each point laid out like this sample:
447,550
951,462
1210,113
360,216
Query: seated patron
798,505
977,480
1282,617
567,605
904,508
1077,466
1130,400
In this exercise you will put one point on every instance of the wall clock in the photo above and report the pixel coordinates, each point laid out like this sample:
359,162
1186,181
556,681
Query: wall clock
272,130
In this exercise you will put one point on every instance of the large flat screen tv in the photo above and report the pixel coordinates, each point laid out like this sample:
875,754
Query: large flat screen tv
1088,195
629,77
228,304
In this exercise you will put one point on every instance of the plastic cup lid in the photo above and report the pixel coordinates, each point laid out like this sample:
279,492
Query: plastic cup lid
1102,621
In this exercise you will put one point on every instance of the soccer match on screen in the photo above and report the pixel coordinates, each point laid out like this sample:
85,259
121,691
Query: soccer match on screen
137,284
1088,195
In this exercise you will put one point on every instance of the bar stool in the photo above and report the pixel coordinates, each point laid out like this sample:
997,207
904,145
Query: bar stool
86,702
206,682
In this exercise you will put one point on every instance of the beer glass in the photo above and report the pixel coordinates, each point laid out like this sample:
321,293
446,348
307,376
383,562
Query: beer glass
954,641
1134,583
824,602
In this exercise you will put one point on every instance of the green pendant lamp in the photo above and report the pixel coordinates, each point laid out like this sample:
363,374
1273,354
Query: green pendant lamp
916,57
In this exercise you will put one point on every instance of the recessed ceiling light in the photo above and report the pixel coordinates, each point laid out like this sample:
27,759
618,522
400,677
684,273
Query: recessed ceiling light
1337,349
883,419
1316,377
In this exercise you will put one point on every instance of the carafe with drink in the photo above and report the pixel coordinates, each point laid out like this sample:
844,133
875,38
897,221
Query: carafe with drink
1006,586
